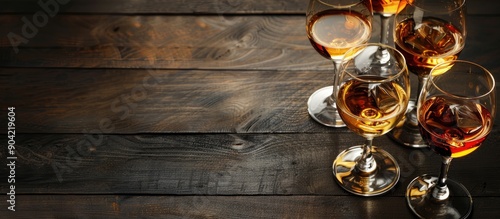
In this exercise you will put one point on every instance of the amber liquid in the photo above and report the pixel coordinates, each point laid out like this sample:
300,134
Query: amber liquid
428,43
333,32
371,110
453,129
386,7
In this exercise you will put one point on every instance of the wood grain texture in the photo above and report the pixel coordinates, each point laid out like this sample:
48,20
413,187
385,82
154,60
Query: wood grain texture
220,164
109,206
483,7
248,42
141,41
163,6
160,101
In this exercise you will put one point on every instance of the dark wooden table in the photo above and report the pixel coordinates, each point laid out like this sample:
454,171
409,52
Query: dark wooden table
193,109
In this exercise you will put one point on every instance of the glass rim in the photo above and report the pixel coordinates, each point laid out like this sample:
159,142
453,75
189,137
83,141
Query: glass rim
490,76
440,11
341,6
366,45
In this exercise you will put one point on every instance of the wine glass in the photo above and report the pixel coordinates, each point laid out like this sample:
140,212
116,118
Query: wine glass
427,32
371,99
456,110
334,26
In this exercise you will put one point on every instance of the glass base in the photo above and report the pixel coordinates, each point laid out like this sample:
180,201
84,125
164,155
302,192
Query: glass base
420,201
408,133
322,110
380,181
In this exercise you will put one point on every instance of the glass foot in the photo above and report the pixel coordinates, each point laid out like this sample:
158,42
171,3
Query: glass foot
420,201
408,133
322,110
380,181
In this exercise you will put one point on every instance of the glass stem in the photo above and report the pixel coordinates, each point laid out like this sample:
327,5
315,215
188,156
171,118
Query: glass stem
441,191
384,29
333,97
412,119
382,56
366,164
421,82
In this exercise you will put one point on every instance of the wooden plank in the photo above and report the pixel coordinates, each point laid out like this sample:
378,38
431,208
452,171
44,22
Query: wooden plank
248,42
220,164
191,42
160,7
160,101
218,7
208,206
123,206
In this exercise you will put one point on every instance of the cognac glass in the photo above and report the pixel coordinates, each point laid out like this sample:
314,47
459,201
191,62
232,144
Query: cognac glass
371,99
333,27
427,32
455,111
